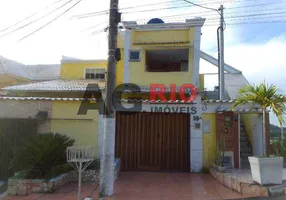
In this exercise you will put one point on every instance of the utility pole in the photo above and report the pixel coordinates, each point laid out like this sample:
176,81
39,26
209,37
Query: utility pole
221,58
106,182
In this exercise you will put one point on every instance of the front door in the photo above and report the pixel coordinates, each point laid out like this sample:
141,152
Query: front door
227,124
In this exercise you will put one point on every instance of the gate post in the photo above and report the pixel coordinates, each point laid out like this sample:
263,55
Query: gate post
196,137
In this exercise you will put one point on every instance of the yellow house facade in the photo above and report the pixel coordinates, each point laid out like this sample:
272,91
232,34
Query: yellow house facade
165,54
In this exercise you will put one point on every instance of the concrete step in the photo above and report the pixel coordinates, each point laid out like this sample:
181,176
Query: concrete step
245,149
244,143
243,139
242,133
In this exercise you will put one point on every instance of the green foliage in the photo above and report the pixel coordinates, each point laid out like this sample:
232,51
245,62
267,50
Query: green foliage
10,142
266,96
94,165
43,155
21,174
278,147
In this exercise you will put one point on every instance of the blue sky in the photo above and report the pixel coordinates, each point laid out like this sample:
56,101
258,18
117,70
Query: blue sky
256,49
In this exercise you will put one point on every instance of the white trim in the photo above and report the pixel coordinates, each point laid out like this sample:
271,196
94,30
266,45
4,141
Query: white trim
196,57
83,61
196,143
127,46
134,60
165,26
212,107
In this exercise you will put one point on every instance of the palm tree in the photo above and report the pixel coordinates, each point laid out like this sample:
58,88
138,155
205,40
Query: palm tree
268,97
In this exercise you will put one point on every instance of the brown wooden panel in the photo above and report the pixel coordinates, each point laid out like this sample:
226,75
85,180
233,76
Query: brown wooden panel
176,148
153,141
126,139
230,133
149,152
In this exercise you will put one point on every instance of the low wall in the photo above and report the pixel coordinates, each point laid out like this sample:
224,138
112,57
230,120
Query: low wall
28,186
245,186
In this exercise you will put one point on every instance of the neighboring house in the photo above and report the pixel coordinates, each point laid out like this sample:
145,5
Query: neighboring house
169,135
55,104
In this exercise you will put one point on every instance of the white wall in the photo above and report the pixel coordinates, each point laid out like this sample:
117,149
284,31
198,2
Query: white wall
257,135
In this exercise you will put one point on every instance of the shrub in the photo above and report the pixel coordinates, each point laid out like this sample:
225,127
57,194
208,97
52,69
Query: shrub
43,155
94,165
278,148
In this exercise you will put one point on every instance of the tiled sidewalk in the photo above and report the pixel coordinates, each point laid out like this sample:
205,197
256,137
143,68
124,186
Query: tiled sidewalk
149,186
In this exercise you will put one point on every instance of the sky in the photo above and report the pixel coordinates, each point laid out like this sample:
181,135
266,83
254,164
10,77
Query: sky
257,49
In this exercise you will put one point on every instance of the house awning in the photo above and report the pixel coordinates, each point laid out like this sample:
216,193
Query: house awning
58,86
161,43
47,99
241,110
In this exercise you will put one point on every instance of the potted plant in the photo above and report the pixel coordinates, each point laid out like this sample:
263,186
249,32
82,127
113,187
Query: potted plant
220,155
265,169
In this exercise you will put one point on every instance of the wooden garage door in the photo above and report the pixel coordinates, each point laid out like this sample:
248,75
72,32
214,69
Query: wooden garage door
153,141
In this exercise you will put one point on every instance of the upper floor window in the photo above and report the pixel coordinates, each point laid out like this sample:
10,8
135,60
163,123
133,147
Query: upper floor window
134,55
175,60
94,73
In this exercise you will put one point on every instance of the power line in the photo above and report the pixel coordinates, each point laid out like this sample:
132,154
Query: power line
106,11
183,15
101,23
251,15
21,27
54,19
246,23
220,13
264,4
28,17
194,4
164,16
103,12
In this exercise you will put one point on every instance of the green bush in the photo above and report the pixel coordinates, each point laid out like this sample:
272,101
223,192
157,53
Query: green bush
43,155
278,147
94,165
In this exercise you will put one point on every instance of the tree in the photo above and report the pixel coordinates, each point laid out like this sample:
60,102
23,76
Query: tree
268,97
